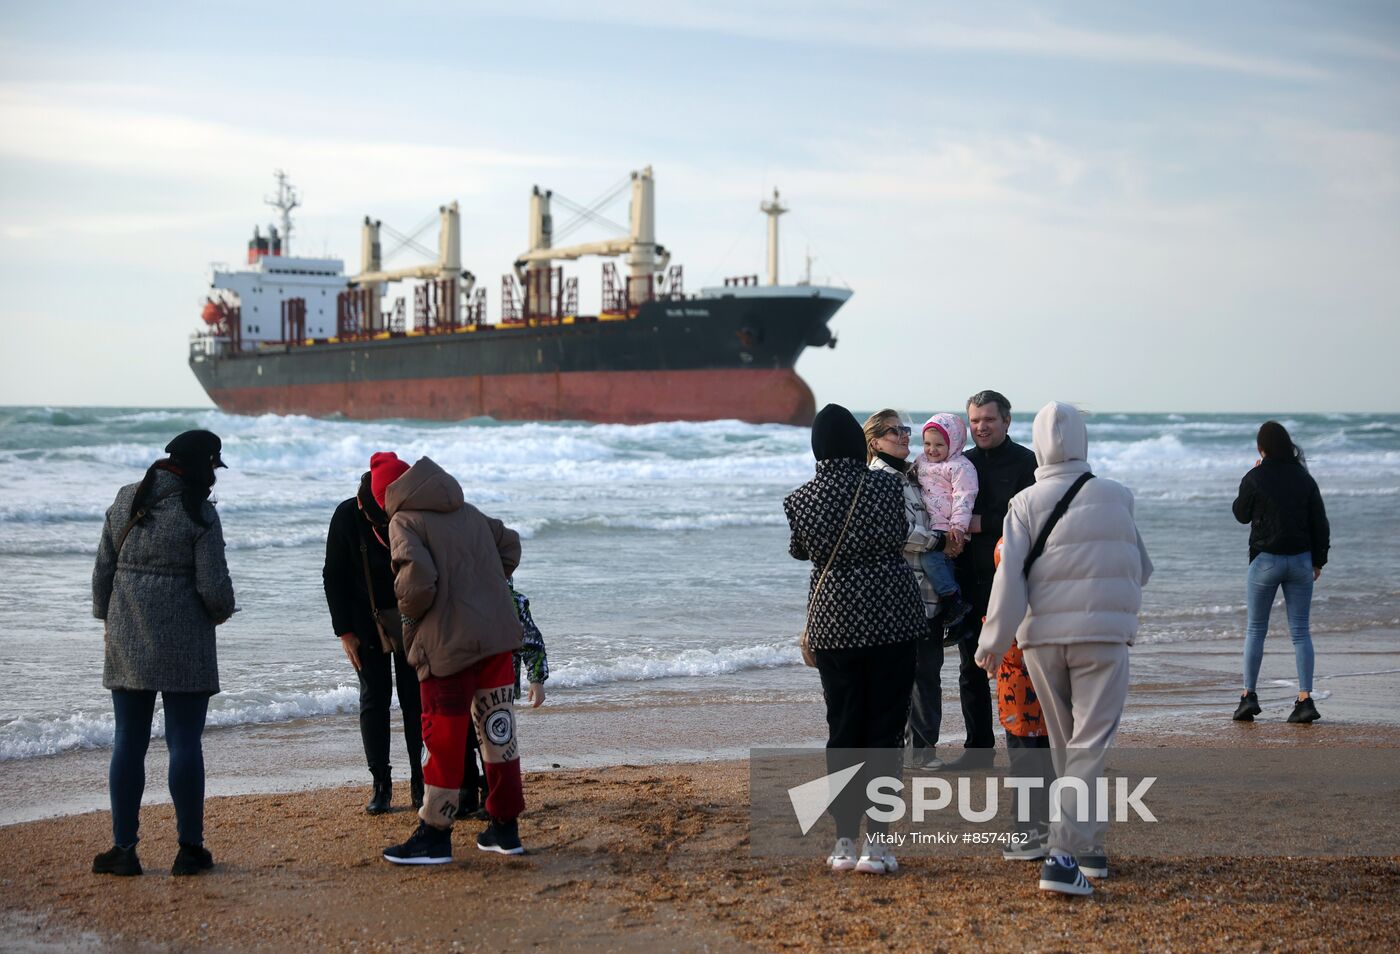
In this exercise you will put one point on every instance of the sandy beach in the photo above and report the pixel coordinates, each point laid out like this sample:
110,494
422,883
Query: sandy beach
657,858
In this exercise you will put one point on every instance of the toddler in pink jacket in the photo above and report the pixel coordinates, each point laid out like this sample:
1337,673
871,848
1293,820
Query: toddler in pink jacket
948,485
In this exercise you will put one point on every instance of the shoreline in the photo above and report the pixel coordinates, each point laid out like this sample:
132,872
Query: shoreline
1180,691
652,857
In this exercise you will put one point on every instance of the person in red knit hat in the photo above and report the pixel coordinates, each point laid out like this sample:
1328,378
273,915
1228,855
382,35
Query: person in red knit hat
384,468
451,568
359,584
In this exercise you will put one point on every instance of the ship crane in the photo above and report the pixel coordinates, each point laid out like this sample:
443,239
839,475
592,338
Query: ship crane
645,258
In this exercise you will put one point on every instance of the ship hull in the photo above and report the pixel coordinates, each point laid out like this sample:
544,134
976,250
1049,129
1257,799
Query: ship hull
773,396
696,359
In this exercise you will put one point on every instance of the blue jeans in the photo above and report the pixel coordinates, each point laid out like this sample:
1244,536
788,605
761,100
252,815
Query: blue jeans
1267,572
126,777
939,570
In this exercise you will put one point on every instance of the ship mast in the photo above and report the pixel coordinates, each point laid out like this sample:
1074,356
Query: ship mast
773,210
285,200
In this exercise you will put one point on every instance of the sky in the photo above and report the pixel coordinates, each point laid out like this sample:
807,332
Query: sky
1188,207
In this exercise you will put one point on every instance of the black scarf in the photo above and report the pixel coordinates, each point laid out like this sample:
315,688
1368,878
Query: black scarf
900,464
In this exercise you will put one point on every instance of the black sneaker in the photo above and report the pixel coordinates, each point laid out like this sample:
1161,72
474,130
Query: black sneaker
426,846
1064,877
1304,711
501,837
1248,708
191,860
117,861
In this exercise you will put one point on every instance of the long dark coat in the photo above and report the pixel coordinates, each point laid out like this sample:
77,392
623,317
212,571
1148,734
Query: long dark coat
344,575
870,596
163,597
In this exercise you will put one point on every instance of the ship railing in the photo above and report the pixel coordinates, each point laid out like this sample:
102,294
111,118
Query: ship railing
204,345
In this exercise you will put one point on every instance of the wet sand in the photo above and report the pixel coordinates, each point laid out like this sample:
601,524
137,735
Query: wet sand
655,858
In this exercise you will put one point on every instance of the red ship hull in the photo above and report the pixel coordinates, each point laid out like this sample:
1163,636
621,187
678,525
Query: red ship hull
759,396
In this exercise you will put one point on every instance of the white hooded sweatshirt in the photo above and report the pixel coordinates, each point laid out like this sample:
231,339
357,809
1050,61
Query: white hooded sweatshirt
1086,587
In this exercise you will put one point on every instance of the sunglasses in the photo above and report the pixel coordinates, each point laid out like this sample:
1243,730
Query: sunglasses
899,430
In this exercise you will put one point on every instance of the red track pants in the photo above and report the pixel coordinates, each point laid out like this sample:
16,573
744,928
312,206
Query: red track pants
482,693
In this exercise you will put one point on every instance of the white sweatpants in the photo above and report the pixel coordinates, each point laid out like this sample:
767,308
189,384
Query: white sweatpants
1082,688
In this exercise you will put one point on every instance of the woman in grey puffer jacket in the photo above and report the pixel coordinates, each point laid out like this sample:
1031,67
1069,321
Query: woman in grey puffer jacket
161,585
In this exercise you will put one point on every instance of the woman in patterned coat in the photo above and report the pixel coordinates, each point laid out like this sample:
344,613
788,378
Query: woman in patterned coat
161,586
864,615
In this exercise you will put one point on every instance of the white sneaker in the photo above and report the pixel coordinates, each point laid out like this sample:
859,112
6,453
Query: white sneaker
877,859
843,855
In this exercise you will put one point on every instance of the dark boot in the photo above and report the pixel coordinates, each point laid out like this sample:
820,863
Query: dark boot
415,790
1248,708
383,795
1304,711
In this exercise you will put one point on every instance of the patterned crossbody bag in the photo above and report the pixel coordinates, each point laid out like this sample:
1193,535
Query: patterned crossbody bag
807,656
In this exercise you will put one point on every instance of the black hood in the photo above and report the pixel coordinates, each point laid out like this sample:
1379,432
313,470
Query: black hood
837,434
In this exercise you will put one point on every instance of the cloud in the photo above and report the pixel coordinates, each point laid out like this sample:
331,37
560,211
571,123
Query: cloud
933,27
64,128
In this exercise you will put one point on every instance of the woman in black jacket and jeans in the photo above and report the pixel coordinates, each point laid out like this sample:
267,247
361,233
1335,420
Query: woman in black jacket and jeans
361,522
1288,542
863,619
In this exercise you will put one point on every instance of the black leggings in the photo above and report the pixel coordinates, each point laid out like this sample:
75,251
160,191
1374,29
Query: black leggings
867,705
377,679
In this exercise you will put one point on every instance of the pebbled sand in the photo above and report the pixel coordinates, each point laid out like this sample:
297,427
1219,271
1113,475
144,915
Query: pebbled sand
640,858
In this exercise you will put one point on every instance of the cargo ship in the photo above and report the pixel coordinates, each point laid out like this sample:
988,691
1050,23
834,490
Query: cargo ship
297,335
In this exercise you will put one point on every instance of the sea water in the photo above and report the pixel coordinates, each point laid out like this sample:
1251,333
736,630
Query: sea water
655,556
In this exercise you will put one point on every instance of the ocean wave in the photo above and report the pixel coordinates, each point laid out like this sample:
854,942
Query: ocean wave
33,736
1188,612
28,737
691,662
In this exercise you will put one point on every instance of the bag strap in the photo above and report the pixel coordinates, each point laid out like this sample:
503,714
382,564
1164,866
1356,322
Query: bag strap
141,515
841,539
1055,516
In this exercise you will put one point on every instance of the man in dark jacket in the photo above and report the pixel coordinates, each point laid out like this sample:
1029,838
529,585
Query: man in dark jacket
1004,469
357,554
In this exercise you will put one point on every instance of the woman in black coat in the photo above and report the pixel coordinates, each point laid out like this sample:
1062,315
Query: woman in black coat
864,615
361,524
1288,543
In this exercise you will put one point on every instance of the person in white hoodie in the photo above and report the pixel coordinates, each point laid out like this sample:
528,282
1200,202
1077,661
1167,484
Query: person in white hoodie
1074,612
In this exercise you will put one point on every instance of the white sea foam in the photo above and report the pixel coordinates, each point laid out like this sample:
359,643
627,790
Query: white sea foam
597,502
691,662
30,736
